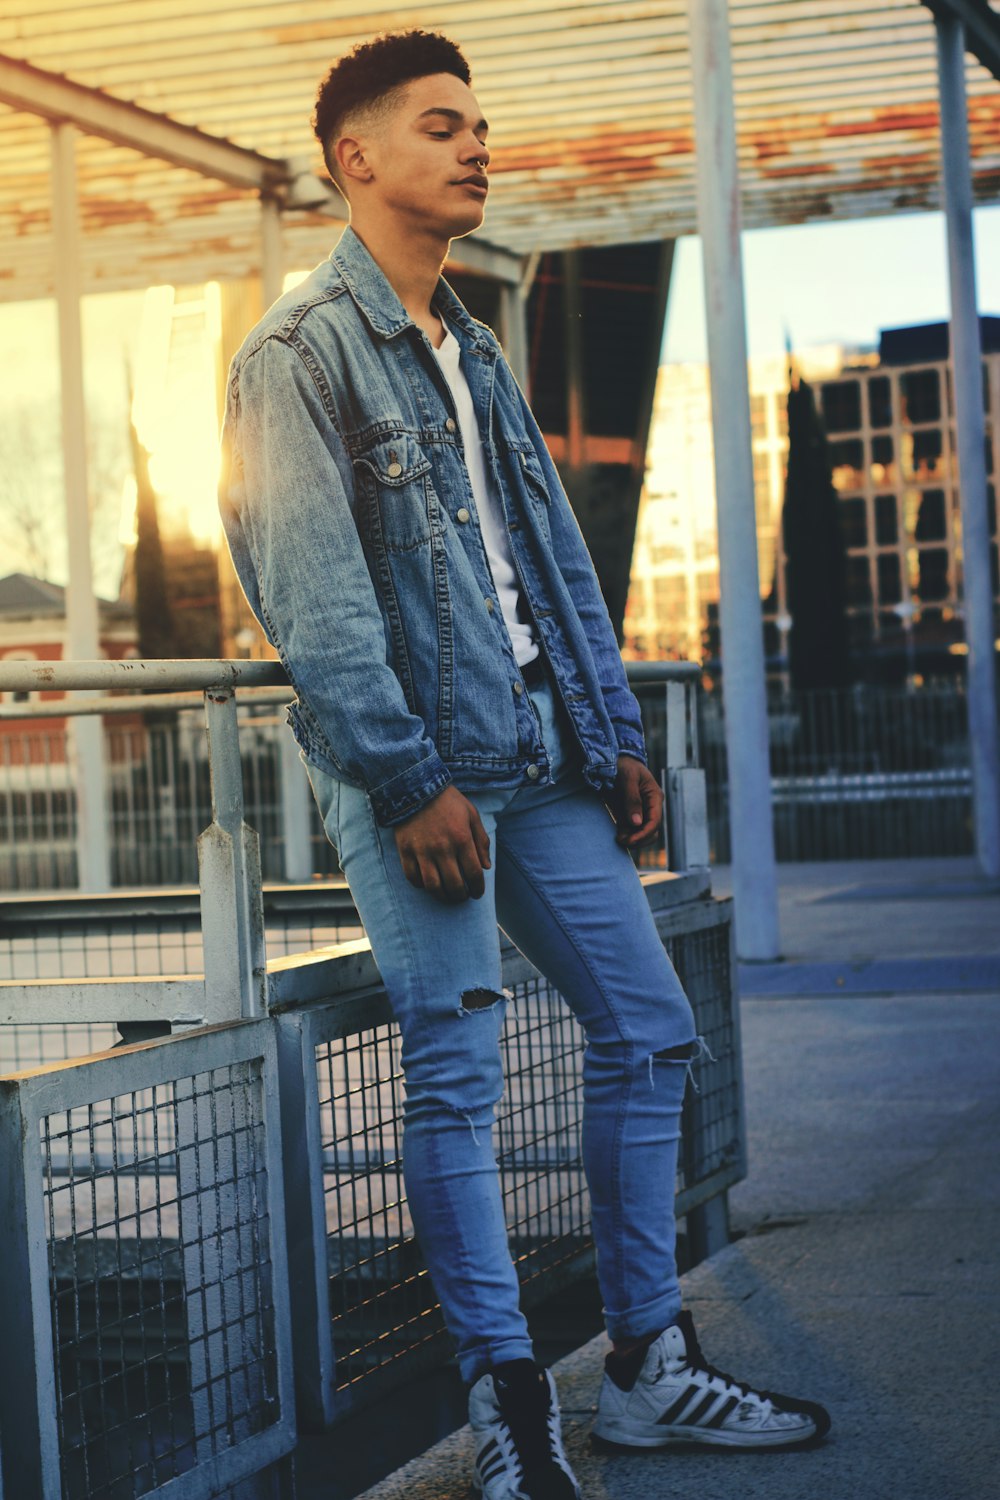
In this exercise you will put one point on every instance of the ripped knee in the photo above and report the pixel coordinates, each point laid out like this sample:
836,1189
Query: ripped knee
686,1053
480,998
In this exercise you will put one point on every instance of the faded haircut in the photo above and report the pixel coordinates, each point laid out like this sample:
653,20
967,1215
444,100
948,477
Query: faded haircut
368,82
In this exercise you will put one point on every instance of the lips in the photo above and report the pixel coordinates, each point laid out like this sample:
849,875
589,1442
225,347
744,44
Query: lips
476,180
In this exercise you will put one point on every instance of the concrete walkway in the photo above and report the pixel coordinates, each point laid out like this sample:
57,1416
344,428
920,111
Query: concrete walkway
867,1269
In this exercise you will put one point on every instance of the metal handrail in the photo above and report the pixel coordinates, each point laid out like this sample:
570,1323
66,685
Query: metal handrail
228,850
257,681
75,707
87,676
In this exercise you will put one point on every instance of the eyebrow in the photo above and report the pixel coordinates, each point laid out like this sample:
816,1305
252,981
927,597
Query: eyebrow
454,114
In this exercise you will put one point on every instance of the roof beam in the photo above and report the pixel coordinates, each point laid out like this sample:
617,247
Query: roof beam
59,99
293,184
982,28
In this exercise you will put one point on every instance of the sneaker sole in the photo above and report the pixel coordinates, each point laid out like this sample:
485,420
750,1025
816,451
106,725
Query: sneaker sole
478,1489
633,1435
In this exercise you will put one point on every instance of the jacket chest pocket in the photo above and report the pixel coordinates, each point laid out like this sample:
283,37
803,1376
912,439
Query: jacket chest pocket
397,500
530,479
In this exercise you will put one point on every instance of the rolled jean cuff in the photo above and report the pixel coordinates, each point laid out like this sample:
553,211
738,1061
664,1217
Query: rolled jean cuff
473,1363
648,1318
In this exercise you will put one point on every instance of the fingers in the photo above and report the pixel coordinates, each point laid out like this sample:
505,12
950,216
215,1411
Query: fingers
480,835
445,851
641,802
453,876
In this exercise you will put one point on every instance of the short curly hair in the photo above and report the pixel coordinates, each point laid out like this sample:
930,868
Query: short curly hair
373,75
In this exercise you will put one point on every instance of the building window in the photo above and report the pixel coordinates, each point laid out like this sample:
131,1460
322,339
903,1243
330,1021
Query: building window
932,523
886,520
841,401
847,464
923,454
859,587
883,467
853,522
933,579
879,401
920,391
890,588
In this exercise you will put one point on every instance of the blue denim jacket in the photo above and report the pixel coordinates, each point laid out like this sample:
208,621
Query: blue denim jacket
346,503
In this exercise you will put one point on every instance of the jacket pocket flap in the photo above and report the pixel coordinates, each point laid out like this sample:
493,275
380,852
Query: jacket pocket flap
395,460
527,460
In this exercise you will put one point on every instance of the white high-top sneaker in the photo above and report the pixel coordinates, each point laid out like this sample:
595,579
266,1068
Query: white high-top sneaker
677,1397
514,1414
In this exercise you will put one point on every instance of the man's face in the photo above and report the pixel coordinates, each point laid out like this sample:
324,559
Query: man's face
428,158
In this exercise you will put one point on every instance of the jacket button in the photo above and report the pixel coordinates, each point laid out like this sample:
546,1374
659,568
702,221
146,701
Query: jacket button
489,605
451,425
462,514
533,773
394,471
518,688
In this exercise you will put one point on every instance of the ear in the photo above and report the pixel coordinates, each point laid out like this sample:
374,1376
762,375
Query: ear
351,159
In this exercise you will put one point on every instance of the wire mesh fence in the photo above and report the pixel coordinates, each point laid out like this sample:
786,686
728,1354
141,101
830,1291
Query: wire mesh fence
384,1319
857,773
149,1291
158,800
66,937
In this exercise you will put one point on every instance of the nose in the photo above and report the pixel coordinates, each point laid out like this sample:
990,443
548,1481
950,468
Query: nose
478,151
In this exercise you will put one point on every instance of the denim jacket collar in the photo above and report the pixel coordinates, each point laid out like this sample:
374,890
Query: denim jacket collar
378,302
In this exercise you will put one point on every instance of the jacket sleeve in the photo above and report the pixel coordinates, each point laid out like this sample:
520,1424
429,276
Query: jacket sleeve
577,567
285,494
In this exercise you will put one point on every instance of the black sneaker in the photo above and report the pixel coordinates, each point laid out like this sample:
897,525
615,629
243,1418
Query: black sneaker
677,1397
514,1414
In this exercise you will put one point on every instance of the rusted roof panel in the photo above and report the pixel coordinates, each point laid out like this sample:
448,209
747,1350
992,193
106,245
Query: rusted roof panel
589,101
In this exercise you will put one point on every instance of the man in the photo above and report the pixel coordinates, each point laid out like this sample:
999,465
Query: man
476,753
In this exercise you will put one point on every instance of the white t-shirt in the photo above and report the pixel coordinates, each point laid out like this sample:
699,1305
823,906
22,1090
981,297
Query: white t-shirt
505,579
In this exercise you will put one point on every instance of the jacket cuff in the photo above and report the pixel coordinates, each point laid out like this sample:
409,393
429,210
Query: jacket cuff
629,744
408,792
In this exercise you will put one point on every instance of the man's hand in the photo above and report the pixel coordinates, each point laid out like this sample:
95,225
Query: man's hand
636,802
444,847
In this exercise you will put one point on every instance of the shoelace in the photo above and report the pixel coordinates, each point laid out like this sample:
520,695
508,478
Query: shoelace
532,1441
697,1361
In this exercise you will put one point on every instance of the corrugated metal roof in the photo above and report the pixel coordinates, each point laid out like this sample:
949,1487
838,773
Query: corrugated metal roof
590,106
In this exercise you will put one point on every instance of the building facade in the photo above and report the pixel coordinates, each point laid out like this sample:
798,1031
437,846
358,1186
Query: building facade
889,418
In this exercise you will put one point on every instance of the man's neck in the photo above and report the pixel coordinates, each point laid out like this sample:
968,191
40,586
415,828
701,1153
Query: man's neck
411,265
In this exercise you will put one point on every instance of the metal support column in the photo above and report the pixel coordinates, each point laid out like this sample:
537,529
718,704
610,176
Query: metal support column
967,367
272,260
85,736
743,681
576,407
514,331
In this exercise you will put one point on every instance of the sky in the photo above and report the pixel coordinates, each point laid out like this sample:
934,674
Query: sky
833,283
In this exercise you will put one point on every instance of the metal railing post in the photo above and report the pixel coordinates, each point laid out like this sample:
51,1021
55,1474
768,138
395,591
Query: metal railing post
232,908
296,807
687,810
316,1402
30,1437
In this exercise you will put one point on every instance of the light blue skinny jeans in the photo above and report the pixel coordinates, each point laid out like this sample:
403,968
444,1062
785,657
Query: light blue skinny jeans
571,899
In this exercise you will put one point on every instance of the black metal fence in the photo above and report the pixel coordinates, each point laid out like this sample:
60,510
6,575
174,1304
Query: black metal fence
856,773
